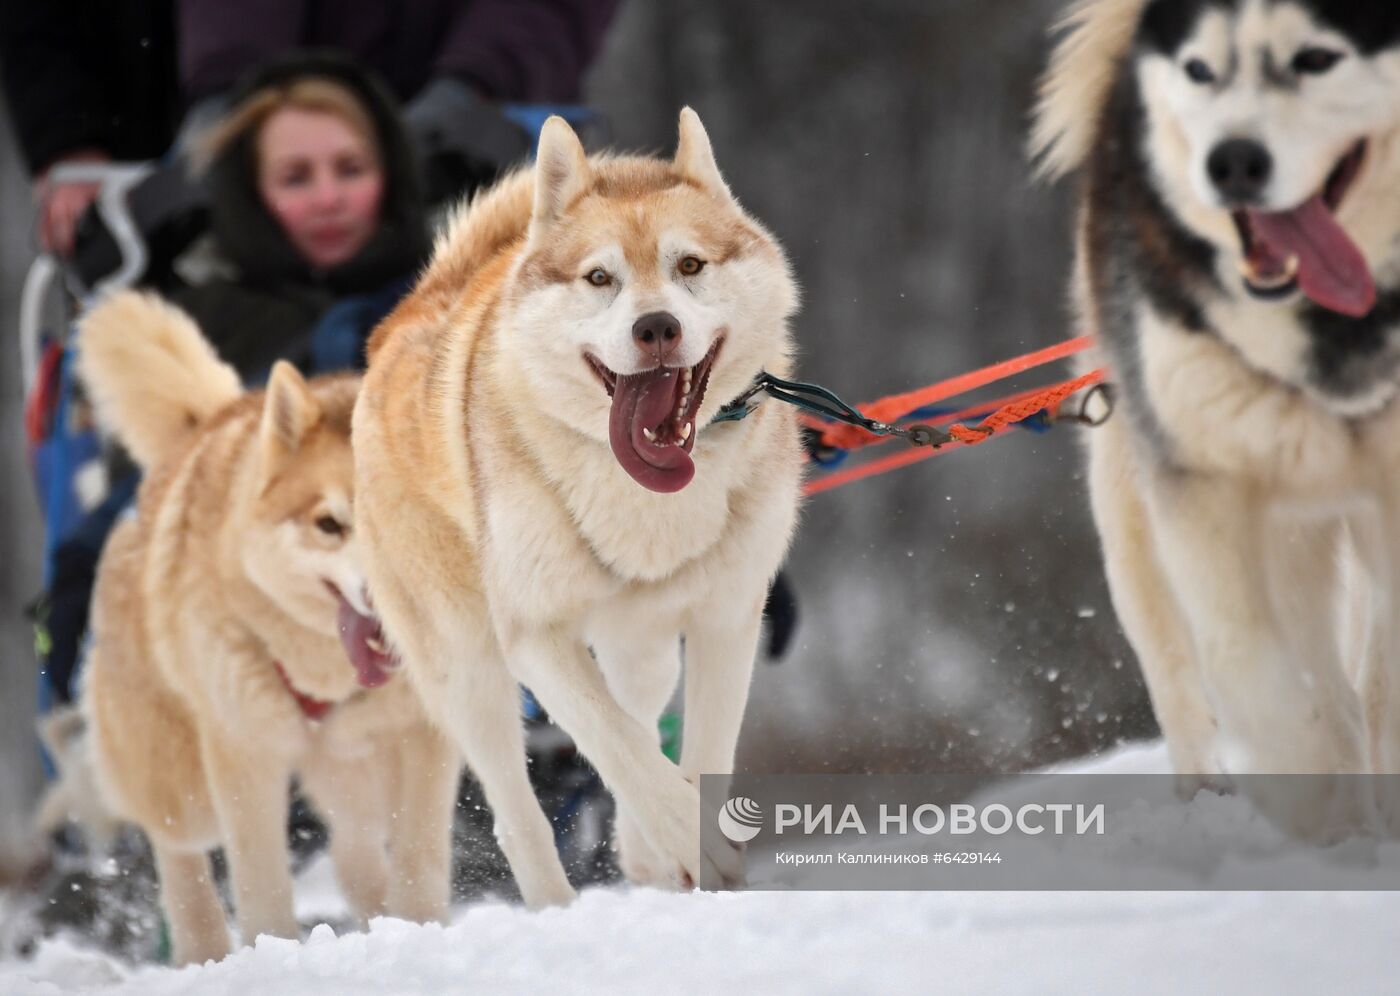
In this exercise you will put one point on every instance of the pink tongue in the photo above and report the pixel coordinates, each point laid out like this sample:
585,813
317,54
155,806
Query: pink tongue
1331,269
356,631
646,401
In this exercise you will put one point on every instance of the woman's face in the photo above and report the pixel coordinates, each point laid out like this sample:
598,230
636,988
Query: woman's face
322,182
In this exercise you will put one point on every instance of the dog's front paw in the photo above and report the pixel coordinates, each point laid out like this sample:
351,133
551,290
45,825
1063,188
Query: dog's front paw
639,861
724,864
1190,785
1386,792
670,820
1319,809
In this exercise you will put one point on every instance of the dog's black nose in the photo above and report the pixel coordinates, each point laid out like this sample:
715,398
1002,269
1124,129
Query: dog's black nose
657,335
1240,170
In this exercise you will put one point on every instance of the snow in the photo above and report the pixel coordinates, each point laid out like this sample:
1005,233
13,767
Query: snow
626,940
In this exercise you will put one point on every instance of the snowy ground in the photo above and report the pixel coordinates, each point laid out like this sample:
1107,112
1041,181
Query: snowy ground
620,940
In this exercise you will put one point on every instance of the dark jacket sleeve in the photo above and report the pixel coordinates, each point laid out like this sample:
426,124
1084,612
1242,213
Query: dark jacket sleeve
533,51
220,40
251,328
56,101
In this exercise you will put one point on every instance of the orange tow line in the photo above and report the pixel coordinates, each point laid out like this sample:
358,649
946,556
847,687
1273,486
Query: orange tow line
995,418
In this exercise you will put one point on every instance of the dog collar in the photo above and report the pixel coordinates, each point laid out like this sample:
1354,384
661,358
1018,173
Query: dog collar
313,709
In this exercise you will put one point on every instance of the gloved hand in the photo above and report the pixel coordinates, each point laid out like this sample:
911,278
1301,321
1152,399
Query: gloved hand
455,129
59,206
780,611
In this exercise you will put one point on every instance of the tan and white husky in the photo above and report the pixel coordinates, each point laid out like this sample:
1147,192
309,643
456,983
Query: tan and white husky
233,647
544,499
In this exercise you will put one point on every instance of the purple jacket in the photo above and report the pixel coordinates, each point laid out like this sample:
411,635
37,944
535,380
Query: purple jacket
532,51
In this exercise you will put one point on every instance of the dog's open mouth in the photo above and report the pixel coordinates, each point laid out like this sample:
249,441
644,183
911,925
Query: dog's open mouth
1307,249
652,425
363,640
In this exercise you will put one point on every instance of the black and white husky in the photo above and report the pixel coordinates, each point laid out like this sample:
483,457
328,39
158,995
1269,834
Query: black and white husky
1238,254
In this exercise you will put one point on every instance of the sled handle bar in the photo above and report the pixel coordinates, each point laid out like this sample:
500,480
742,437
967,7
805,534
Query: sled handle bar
115,181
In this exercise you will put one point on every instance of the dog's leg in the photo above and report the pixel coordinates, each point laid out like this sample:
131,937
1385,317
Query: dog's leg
558,669
427,771
198,932
353,795
1377,546
1362,595
1148,611
1274,699
1305,574
450,655
721,643
1304,571
485,723
641,670
249,790
467,691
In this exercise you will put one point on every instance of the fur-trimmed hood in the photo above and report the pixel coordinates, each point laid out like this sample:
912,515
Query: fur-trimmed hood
251,239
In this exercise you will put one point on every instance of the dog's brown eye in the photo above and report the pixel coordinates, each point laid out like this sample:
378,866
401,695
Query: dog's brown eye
598,277
1198,72
691,265
1315,61
330,525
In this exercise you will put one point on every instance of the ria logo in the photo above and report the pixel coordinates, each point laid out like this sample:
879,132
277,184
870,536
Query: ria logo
741,819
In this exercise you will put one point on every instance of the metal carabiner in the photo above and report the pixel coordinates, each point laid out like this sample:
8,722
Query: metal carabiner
921,434
1098,394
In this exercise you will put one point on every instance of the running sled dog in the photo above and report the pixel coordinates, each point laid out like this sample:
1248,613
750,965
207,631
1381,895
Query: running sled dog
545,498
233,645
1238,254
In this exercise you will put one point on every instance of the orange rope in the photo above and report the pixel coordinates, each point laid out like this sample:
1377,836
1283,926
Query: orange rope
895,407
891,408
980,410
1004,418
1049,399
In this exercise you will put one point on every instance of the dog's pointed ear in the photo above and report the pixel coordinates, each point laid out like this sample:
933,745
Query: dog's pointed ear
695,159
561,174
290,412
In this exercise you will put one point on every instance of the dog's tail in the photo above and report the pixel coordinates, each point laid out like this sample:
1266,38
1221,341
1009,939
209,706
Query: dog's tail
153,378
1097,36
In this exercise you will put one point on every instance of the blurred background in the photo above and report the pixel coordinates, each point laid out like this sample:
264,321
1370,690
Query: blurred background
952,615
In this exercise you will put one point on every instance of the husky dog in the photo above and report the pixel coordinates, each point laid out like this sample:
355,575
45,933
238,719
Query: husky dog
233,644
545,500
1239,258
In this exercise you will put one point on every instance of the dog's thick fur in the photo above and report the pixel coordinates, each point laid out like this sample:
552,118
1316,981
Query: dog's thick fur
506,544
1257,449
219,577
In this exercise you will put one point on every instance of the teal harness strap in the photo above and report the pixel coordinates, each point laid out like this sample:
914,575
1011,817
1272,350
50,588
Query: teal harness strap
817,400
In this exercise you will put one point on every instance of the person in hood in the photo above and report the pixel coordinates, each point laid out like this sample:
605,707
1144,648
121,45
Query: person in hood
317,222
